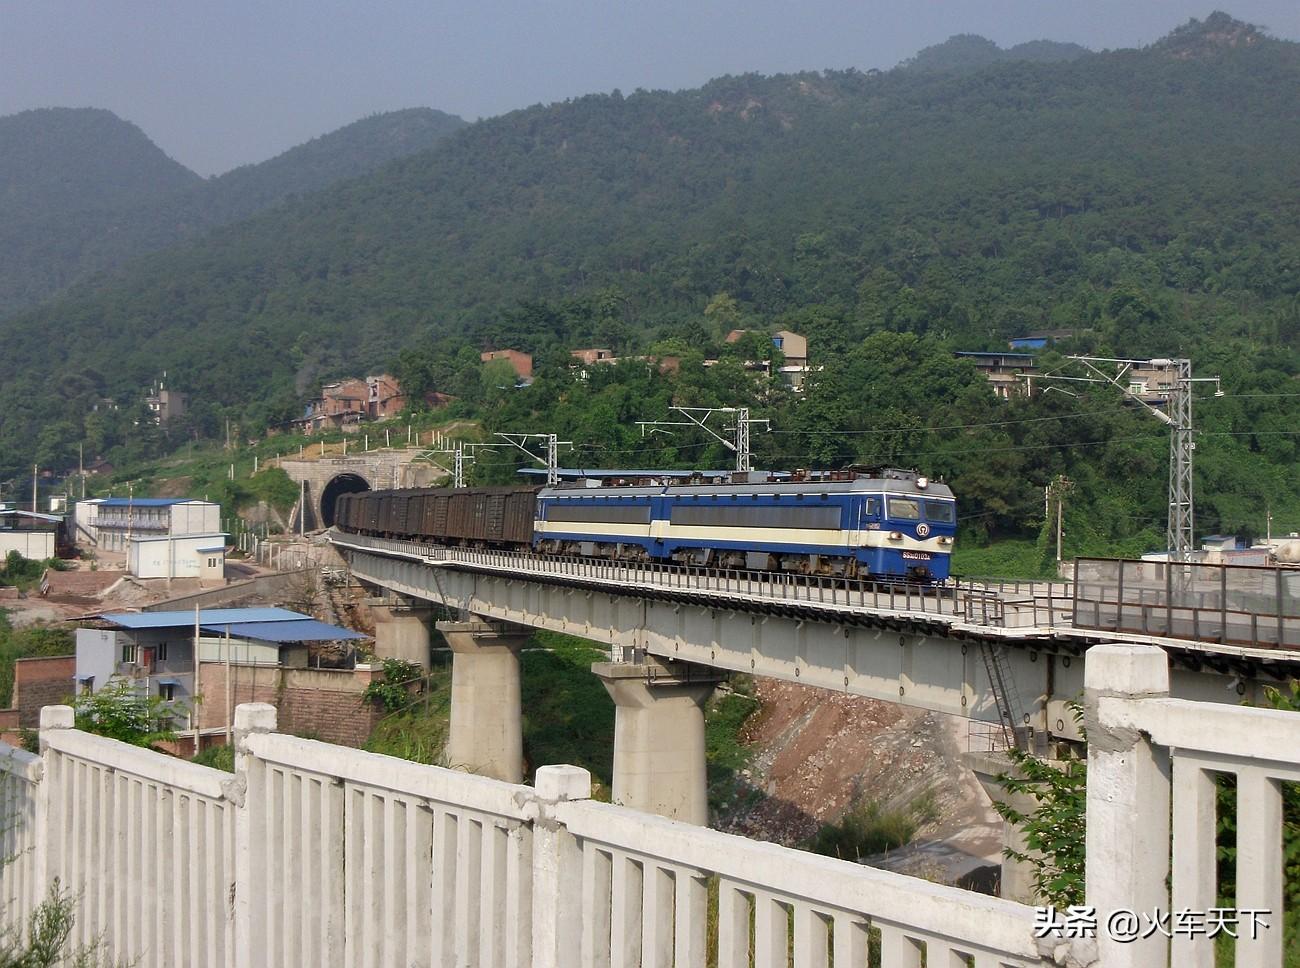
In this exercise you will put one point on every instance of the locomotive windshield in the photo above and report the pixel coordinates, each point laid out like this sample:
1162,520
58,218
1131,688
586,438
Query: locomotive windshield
905,508
943,512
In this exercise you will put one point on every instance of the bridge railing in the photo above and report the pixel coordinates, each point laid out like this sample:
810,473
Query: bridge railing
21,876
312,854
143,841
1016,604
1248,606
648,889
1146,750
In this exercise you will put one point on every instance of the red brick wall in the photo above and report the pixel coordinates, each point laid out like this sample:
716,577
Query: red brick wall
325,704
42,681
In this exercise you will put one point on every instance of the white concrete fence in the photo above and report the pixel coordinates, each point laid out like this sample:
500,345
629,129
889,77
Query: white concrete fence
312,854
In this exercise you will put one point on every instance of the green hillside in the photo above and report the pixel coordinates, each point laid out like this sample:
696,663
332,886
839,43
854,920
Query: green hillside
1143,199
83,191
66,176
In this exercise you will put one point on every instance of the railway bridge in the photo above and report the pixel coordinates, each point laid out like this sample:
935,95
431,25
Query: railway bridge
1008,653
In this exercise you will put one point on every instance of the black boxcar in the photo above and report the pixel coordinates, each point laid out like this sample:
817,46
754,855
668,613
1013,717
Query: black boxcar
474,515
343,512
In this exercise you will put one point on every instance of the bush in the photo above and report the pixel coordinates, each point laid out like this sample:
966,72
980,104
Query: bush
872,828
398,688
217,757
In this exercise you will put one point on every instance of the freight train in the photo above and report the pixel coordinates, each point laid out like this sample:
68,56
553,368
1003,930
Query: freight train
890,524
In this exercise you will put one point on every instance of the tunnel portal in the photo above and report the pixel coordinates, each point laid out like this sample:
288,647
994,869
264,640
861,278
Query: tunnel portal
338,485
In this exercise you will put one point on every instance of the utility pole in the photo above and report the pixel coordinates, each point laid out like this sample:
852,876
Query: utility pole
130,515
35,469
457,456
739,444
1176,385
1060,486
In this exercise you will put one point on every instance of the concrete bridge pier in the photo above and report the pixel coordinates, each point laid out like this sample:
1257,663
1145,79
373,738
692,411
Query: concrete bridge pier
659,764
402,630
486,730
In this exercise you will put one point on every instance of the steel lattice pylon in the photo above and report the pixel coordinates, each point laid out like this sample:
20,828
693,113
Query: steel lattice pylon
1180,534
1176,386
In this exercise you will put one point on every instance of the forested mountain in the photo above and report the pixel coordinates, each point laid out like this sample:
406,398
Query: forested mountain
66,175
1143,199
81,190
969,52
354,150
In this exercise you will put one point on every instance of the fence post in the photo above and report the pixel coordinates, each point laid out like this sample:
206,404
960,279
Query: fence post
557,870
1127,803
50,825
253,888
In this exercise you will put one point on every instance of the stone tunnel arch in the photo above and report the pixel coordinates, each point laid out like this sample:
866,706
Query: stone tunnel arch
338,485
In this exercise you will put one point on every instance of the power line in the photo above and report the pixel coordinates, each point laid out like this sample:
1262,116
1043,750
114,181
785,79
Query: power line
971,426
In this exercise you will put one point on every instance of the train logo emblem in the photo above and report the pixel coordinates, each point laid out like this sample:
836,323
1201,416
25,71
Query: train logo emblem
922,530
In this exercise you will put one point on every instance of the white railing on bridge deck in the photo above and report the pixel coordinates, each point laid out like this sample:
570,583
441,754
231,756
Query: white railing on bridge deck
1145,750
312,854
980,602
21,879
144,840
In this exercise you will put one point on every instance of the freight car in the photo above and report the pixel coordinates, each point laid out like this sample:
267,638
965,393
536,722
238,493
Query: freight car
486,516
890,524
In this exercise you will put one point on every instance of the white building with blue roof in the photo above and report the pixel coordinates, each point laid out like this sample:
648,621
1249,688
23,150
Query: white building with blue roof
156,650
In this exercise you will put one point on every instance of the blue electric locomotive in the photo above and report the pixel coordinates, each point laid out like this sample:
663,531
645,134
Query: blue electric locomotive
893,525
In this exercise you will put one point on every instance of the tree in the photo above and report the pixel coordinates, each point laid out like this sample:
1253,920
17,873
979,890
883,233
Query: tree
121,711
1054,829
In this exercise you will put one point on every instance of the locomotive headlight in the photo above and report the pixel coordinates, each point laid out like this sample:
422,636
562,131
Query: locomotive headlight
922,483
945,540
895,536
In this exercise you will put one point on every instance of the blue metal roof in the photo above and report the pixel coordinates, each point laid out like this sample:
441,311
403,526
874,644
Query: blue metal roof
145,502
207,616
307,630
268,624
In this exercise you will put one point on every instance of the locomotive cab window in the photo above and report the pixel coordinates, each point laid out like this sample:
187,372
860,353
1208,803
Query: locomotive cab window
905,508
942,512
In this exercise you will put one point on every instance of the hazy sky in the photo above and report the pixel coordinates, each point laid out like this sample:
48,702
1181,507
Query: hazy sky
219,83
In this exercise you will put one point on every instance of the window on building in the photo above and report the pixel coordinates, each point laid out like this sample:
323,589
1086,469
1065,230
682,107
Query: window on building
128,652
160,652
87,684
212,562
167,690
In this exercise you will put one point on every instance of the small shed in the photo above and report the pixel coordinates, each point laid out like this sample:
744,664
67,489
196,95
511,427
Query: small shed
30,533
178,556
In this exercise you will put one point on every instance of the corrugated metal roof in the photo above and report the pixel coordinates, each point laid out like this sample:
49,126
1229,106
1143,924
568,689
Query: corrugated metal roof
306,630
145,502
13,512
207,616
